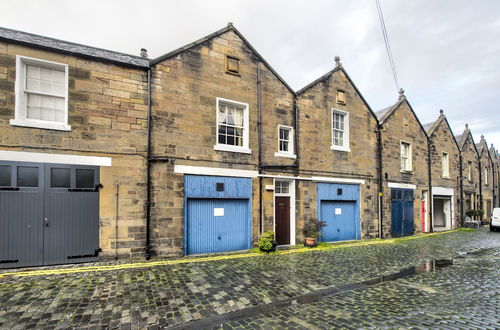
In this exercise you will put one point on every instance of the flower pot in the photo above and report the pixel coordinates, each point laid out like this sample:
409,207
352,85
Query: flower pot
311,241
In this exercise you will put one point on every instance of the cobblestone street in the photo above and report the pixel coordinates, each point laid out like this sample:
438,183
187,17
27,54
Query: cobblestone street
345,286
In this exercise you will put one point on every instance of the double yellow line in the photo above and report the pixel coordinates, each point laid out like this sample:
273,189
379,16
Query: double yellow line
72,270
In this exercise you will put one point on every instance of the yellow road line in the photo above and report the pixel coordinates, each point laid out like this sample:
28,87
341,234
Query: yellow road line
205,259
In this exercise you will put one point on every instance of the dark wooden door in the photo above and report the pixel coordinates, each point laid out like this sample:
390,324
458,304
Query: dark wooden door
282,218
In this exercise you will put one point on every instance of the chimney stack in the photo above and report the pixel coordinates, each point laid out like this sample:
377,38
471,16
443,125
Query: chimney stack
144,52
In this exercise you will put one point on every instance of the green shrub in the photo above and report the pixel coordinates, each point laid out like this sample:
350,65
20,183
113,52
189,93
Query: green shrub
266,241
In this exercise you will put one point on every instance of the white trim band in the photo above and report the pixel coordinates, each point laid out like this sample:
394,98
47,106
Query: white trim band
186,169
338,180
36,157
401,185
442,191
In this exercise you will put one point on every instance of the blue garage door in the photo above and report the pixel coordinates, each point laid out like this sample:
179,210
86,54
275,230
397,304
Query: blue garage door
340,219
338,206
402,212
217,225
217,214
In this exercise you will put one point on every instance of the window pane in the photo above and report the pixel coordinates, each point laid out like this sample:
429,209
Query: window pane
27,176
5,173
60,178
84,178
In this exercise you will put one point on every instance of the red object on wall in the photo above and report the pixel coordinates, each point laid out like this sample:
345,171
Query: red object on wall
423,216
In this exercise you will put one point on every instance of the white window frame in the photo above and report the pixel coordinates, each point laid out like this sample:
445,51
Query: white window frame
346,146
486,175
469,171
410,156
290,153
445,164
21,104
224,147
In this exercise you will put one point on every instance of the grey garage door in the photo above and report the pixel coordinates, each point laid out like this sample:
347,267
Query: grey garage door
49,214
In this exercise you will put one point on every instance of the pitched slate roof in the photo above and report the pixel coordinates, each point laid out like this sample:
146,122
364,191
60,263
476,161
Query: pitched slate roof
463,138
386,113
327,75
431,127
33,40
229,27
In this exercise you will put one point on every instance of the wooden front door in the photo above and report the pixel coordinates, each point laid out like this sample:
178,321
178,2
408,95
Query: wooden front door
282,219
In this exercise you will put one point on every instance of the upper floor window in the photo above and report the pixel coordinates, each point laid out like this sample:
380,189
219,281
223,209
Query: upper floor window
340,130
445,165
41,94
232,126
406,160
485,175
285,142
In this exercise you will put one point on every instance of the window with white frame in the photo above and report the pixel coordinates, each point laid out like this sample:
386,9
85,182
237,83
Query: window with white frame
485,175
281,187
406,156
41,94
232,126
340,130
285,142
469,171
445,165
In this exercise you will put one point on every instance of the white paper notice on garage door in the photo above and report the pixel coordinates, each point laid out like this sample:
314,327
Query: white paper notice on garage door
338,210
218,212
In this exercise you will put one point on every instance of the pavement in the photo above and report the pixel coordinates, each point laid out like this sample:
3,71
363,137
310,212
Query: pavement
394,283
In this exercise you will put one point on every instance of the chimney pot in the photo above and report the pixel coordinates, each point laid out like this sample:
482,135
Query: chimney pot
144,52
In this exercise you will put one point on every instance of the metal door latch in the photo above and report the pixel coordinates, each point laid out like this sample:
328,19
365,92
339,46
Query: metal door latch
46,222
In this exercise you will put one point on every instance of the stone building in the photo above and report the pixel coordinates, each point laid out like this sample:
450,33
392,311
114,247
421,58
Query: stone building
201,150
470,172
496,172
338,150
223,148
445,175
73,137
487,179
405,168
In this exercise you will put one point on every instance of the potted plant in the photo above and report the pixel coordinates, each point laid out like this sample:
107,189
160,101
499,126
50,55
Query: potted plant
312,231
267,243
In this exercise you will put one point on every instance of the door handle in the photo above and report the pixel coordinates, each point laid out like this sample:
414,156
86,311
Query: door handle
46,222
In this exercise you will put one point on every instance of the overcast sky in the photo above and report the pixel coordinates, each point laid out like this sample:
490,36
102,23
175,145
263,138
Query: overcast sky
447,53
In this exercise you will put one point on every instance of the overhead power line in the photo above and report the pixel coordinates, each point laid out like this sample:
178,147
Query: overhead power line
387,44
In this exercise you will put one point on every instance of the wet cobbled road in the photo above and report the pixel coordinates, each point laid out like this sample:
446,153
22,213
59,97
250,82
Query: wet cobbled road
442,281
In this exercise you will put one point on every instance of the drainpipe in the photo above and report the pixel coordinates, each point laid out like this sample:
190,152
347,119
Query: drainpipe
148,175
117,196
259,127
461,191
297,135
431,202
380,182
480,188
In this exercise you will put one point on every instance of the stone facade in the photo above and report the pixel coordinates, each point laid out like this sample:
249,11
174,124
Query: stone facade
487,179
185,127
108,117
470,172
317,158
399,124
443,144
